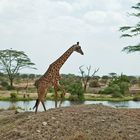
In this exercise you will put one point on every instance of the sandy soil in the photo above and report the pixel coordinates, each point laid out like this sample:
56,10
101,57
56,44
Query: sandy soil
81,122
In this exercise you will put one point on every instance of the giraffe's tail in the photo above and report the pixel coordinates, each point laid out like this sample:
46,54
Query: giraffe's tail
35,104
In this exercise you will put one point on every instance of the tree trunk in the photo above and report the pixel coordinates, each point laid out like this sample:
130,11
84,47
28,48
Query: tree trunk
85,84
11,82
85,87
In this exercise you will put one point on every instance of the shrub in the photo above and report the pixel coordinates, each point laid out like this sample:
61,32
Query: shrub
10,87
94,83
114,90
111,89
77,89
136,98
118,86
73,98
50,90
13,95
4,84
117,94
124,87
107,90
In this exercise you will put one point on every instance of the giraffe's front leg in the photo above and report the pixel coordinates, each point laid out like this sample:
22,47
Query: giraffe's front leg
44,97
36,105
63,94
56,94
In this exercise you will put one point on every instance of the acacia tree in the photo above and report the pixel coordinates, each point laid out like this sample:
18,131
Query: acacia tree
131,31
86,76
12,61
113,74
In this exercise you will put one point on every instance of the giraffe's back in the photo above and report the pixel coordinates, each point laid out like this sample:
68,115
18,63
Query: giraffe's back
50,77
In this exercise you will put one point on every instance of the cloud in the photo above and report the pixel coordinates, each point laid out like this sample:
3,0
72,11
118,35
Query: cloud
69,24
104,19
35,25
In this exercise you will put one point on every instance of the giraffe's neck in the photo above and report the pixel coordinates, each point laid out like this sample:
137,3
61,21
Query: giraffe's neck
63,58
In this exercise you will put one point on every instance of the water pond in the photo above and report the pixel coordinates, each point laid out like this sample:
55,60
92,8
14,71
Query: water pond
28,105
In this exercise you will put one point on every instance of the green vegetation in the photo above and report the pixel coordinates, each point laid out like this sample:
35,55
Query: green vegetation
86,98
16,99
118,86
73,85
114,88
136,98
132,31
77,92
12,61
94,83
105,98
13,95
4,84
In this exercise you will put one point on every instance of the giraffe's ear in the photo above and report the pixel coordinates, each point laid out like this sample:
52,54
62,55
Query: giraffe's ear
77,43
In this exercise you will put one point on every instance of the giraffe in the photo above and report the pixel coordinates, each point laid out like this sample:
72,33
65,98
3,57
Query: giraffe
51,77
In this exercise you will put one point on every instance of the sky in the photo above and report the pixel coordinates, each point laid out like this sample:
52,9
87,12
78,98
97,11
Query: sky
45,29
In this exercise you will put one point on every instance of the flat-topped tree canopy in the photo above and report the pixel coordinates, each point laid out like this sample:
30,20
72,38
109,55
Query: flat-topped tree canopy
12,61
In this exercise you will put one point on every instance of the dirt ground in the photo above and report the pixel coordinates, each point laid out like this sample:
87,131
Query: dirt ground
80,122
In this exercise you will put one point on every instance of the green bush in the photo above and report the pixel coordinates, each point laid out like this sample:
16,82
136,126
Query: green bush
111,89
118,87
94,83
4,84
136,98
10,87
50,90
67,80
124,87
73,98
114,90
13,95
76,89
107,90
117,94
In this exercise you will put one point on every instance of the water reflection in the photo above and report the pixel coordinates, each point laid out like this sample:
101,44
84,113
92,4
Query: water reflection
120,104
28,105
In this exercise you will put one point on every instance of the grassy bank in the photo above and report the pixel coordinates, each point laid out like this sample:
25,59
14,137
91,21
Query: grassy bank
87,98
109,99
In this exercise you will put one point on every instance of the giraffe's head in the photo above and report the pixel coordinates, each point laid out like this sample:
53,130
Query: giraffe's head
78,49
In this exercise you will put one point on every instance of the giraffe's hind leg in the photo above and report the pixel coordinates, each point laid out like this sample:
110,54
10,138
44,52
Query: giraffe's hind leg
43,105
35,104
41,96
